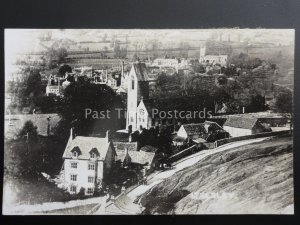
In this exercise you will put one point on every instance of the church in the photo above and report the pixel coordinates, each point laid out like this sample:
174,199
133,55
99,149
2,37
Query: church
137,89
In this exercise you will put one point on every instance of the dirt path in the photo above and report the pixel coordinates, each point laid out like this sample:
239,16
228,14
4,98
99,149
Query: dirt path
160,176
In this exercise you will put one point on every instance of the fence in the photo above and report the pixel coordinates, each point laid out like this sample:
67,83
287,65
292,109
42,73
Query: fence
183,153
211,145
247,137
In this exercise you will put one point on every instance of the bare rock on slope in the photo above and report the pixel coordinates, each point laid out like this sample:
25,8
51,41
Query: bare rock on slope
252,179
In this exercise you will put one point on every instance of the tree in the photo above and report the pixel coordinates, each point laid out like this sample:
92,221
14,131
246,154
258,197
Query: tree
33,83
30,130
89,108
257,104
64,69
284,102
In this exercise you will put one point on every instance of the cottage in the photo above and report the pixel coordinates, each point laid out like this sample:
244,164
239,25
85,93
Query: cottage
209,131
240,126
137,160
88,162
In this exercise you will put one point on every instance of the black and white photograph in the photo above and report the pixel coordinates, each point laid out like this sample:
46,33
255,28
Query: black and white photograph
148,121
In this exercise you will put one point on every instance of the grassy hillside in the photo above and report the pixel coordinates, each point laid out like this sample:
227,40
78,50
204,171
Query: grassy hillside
254,179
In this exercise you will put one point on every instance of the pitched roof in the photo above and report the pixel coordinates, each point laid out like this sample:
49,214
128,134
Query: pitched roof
194,128
241,122
85,145
149,148
131,146
138,157
140,71
148,104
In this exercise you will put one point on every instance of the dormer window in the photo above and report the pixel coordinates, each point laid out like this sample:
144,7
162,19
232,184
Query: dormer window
75,152
94,153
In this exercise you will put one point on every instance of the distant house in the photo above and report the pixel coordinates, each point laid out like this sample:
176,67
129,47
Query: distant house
208,131
161,63
137,160
54,86
88,162
240,126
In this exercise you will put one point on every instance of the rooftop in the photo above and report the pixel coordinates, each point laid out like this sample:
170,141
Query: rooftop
85,145
241,122
138,157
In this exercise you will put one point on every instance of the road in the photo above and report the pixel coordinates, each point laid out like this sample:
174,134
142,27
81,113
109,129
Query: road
125,203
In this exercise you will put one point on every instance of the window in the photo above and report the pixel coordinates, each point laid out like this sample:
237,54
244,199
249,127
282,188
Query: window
74,165
73,177
90,190
91,167
75,154
91,179
132,84
73,189
93,155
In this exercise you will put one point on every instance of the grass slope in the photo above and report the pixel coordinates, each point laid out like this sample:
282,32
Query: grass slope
252,179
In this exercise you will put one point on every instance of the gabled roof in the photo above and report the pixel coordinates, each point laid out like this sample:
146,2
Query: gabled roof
241,122
138,157
194,128
85,145
131,146
148,104
149,148
140,71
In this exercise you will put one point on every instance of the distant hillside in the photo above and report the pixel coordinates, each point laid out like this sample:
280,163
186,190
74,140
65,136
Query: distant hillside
252,179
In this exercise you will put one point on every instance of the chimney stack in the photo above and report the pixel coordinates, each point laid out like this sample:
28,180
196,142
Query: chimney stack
107,136
71,133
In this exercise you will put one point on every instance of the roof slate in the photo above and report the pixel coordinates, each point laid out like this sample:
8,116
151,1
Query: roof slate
140,71
241,122
86,144
138,157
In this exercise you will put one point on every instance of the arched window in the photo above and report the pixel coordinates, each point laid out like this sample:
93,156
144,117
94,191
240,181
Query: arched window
132,83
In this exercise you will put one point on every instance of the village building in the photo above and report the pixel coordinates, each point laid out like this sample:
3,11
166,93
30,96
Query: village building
138,87
241,126
212,59
201,132
54,86
165,63
88,162
137,160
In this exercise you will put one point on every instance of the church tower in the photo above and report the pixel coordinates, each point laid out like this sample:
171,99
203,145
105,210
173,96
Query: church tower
137,88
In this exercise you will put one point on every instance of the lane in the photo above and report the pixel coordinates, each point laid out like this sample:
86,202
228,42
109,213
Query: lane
159,176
